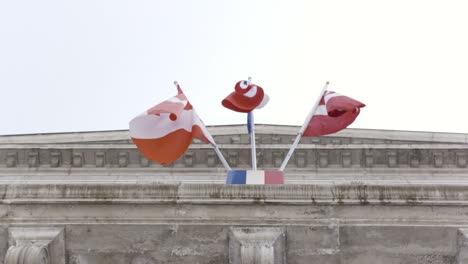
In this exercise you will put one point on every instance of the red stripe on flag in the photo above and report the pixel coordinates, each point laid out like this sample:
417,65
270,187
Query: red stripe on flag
341,111
166,149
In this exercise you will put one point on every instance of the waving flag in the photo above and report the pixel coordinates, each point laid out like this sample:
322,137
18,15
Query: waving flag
334,113
246,97
164,132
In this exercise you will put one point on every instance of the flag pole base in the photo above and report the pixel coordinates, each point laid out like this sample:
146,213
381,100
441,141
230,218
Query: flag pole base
255,177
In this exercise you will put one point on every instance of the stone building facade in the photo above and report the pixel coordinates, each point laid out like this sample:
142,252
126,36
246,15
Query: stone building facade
355,197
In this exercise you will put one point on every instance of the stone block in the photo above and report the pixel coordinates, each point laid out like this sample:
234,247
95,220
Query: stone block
211,159
33,159
301,159
257,245
77,160
312,242
233,158
123,159
438,159
55,159
461,159
278,157
11,159
189,159
43,245
346,159
392,161
385,258
141,244
417,240
323,159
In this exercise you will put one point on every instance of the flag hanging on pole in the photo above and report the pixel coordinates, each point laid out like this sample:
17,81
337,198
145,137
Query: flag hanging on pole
164,132
333,113
246,97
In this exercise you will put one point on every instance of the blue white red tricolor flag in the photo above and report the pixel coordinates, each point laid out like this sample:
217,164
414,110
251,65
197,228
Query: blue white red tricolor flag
334,113
255,177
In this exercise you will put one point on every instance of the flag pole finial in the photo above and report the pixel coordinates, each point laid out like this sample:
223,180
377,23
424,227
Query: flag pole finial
176,83
327,83
249,79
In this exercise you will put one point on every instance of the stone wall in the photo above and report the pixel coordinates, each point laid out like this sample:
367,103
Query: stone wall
203,223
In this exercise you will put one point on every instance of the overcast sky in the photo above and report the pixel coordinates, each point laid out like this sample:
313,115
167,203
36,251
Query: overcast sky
93,65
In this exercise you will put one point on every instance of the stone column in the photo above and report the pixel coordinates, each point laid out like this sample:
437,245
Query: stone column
35,245
257,245
462,254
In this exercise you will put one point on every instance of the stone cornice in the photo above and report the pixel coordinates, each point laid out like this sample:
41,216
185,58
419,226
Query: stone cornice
349,194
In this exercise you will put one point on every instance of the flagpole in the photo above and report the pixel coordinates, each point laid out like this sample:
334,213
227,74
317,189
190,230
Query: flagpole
252,135
215,147
221,157
303,128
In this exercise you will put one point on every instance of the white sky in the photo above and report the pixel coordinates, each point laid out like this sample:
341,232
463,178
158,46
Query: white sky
93,65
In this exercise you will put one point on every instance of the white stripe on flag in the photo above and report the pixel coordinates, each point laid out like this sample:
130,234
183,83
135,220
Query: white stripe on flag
174,99
329,96
255,177
321,110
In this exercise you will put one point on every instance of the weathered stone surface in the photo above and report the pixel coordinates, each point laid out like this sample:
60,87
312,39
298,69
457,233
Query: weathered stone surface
358,196
39,244
257,245
147,243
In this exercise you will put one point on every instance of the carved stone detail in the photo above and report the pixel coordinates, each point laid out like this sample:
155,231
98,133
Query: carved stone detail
336,141
369,159
144,162
100,159
414,160
313,140
438,160
346,159
301,159
260,158
55,159
188,159
11,159
278,157
33,159
77,159
211,159
461,159
392,161
233,158
35,245
27,254
323,159
275,140
257,245
235,140
123,159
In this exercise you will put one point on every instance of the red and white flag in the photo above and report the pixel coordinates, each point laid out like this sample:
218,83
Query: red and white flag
164,132
334,113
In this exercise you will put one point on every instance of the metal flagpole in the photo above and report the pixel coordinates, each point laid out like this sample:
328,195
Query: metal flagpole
252,135
221,157
303,128
215,147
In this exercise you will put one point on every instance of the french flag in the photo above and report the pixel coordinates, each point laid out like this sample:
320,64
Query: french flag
255,177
